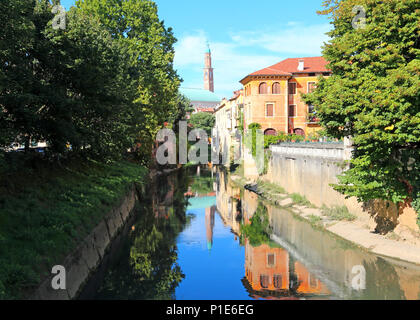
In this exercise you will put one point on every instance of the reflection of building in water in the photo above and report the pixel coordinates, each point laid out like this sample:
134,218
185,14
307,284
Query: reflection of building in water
229,203
271,272
163,192
277,273
210,226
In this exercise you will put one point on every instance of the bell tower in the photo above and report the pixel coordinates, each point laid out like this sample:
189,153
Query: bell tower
208,71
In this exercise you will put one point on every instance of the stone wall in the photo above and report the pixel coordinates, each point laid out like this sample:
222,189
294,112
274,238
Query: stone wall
309,169
87,257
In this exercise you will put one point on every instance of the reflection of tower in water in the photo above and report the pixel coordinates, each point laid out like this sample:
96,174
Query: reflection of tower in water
210,212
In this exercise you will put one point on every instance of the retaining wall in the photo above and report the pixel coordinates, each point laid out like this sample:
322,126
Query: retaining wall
309,169
86,258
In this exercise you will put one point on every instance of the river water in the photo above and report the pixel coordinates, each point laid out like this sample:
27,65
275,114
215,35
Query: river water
199,237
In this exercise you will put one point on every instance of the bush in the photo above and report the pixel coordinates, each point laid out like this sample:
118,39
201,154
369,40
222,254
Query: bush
254,126
269,140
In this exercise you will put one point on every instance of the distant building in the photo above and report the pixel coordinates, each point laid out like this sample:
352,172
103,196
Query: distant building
272,96
204,100
228,122
208,72
201,100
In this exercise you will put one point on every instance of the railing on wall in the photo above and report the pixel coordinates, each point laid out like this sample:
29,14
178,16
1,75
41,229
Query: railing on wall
335,150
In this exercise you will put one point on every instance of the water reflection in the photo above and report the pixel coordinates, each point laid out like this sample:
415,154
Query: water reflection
143,261
287,257
201,237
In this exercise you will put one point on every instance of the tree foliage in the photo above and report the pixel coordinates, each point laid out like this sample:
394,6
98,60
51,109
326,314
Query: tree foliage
373,96
101,84
204,121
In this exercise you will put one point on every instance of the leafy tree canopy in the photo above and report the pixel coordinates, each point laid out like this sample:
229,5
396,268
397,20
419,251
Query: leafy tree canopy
204,121
373,96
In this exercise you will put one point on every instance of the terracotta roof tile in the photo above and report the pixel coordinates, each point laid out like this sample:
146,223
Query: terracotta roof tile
290,66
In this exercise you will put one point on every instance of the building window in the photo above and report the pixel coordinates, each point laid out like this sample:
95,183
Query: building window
299,132
292,110
311,87
312,75
247,90
276,88
264,281
278,281
269,110
263,88
271,259
313,282
270,132
292,88
311,109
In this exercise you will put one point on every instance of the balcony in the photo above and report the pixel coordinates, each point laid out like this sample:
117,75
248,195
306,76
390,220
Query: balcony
312,119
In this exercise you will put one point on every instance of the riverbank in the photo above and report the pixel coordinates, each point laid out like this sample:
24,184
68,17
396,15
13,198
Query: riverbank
47,212
337,220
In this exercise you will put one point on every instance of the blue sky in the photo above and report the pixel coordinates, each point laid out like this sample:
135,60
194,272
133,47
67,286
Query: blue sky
244,36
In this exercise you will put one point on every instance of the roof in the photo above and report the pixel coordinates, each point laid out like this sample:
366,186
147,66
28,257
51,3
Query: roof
199,95
289,67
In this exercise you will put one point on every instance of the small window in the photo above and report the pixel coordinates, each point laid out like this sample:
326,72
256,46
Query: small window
292,111
263,88
311,87
276,88
278,281
292,88
271,259
264,281
312,75
313,282
269,110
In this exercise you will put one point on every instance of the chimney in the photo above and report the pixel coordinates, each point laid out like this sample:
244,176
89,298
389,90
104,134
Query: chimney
301,66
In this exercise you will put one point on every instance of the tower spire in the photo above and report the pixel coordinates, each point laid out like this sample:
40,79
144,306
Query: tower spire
208,70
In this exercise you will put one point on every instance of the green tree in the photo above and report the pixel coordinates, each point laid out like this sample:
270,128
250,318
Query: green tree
373,96
204,121
63,86
150,46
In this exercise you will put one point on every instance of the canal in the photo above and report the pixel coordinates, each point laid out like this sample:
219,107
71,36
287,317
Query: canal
200,237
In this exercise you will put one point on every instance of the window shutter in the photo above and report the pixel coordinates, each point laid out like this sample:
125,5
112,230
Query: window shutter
292,88
270,110
292,111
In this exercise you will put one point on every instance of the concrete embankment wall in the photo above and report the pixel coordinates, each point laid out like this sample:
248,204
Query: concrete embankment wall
87,257
309,169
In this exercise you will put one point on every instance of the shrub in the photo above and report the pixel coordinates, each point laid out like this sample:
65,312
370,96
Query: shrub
255,126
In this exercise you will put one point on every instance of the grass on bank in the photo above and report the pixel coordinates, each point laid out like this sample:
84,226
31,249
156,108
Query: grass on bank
45,212
270,187
338,213
315,221
301,200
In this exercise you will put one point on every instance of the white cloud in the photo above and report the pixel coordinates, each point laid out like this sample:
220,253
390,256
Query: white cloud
294,39
245,53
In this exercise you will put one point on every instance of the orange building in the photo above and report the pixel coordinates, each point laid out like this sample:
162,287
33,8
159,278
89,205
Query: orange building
271,274
273,96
